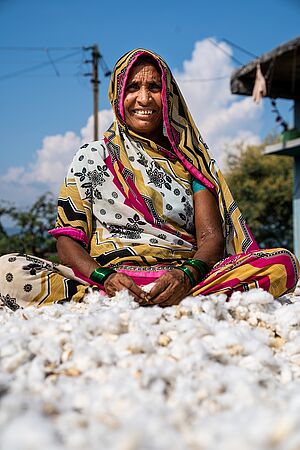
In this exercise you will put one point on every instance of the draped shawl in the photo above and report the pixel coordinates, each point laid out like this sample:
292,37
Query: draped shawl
129,200
187,144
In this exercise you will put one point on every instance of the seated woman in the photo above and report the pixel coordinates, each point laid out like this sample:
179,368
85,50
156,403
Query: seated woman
146,204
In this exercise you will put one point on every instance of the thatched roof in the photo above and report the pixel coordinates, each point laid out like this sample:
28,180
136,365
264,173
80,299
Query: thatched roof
281,69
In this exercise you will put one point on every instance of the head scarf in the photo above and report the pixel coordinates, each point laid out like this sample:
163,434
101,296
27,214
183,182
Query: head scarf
187,144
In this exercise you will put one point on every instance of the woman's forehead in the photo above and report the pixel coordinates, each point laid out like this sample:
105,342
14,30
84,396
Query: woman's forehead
143,70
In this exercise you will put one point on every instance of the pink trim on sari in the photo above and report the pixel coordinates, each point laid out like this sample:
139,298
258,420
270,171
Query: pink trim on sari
196,173
77,235
121,102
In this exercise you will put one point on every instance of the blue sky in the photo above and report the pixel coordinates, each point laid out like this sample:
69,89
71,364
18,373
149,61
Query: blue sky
44,117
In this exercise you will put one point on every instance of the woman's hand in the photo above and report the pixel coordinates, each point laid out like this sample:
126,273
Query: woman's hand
118,281
170,289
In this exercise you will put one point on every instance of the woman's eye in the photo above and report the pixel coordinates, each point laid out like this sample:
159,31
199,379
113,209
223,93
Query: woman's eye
132,87
155,87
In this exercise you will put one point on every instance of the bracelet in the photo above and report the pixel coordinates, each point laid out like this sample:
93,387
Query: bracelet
201,266
101,274
188,273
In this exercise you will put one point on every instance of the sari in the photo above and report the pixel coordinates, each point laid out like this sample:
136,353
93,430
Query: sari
129,202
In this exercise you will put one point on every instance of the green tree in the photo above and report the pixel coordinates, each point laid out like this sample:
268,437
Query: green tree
32,225
262,186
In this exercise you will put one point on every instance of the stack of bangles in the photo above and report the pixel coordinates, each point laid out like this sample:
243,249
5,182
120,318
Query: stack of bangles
201,266
101,274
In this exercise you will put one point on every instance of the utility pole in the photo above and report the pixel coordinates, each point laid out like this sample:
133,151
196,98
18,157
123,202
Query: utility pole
95,82
96,58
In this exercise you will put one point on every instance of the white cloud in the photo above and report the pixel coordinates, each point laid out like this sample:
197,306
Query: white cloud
105,119
52,161
224,121
222,118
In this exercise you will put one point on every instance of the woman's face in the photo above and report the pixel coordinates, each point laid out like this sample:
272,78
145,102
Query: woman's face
142,101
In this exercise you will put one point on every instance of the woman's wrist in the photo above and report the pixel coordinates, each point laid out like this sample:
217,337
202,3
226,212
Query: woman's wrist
101,274
188,274
196,265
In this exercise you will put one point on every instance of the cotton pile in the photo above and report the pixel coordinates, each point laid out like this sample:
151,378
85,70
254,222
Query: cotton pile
207,374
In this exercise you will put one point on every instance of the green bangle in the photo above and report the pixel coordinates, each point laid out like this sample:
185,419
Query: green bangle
188,273
101,274
201,266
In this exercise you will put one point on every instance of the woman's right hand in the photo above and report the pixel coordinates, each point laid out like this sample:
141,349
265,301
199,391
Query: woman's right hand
118,281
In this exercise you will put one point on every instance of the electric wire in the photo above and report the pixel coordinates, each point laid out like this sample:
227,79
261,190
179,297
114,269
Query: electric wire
238,47
36,67
38,48
226,52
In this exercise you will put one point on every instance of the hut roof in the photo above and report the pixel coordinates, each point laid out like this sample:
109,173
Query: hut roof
281,69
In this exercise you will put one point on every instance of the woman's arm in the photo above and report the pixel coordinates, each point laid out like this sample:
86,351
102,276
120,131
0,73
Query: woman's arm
174,286
73,255
209,234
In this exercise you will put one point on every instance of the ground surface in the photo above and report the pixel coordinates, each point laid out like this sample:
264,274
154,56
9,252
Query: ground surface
108,374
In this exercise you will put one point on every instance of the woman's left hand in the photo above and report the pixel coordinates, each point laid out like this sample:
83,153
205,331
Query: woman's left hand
170,289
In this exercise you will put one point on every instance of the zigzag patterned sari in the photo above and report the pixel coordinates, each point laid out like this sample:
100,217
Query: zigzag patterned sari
149,229
130,203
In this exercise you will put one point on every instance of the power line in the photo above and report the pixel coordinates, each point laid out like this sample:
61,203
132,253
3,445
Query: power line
240,48
226,52
52,62
38,48
37,62
37,66
61,75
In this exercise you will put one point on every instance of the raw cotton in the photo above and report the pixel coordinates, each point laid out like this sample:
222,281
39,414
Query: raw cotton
207,374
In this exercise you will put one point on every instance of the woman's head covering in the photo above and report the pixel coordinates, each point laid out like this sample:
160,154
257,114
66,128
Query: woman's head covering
187,144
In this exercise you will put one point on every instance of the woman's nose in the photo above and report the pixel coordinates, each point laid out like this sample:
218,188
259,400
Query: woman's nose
143,96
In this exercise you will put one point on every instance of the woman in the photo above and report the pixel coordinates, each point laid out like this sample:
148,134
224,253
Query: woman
147,204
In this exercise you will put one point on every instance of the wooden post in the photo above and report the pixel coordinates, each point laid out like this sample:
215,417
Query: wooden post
95,81
296,196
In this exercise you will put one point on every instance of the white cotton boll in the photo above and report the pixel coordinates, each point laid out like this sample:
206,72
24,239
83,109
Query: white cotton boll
94,296
84,357
124,300
190,302
106,322
36,373
251,362
7,349
234,300
258,296
287,319
186,325
209,308
292,348
148,287
135,342
51,352
209,322
35,345
265,356
29,432
177,350
11,363
105,354
147,316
